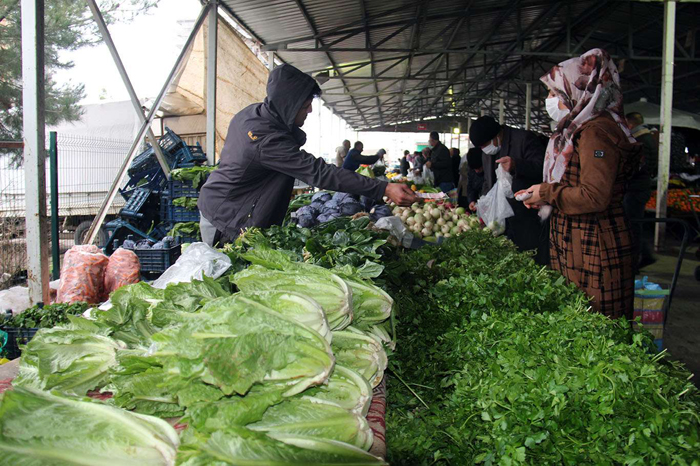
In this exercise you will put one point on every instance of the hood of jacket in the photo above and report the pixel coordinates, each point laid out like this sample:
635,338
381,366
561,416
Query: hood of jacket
287,89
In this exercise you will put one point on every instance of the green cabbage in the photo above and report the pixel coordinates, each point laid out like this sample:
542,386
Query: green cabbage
41,429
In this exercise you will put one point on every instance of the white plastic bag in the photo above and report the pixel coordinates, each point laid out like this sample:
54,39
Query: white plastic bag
396,228
494,208
197,260
428,176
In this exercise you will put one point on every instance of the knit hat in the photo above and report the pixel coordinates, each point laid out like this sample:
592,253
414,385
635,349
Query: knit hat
474,158
483,129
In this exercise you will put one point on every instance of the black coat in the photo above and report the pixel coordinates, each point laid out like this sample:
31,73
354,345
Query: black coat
527,149
262,157
441,164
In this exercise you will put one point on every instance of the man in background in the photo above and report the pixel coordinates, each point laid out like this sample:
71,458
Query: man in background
639,187
403,163
341,152
521,153
355,158
440,163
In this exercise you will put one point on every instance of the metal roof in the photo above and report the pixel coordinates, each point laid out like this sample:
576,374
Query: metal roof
394,61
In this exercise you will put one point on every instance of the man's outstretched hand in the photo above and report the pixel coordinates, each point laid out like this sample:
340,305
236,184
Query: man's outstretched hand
400,194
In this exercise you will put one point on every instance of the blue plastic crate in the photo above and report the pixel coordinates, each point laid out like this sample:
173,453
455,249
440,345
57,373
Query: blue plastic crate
15,338
175,189
173,214
135,203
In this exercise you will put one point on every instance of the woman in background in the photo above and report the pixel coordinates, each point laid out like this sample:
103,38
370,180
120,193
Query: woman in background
589,159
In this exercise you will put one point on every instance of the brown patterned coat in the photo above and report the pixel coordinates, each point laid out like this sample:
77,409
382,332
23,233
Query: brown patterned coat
590,239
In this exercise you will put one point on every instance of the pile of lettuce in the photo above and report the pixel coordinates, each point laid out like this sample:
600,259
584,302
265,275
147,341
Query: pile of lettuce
281,370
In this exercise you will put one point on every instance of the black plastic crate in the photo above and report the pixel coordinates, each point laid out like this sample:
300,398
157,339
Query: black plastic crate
175,189
174,214
158,260
15,338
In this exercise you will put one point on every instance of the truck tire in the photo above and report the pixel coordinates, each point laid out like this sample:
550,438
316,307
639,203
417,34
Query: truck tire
81,233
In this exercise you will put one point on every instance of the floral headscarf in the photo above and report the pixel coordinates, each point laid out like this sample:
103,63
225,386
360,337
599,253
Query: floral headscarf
589,86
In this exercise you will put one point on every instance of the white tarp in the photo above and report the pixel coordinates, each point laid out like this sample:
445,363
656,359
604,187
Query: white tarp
652,115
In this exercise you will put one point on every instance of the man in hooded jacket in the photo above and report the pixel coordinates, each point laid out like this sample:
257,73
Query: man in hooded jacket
262,156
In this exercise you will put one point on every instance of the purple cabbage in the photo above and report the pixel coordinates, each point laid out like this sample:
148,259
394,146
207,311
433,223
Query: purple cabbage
321,196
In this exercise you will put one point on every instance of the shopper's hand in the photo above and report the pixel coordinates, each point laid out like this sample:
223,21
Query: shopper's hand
400,194
534,202
428,164
472,206
507,163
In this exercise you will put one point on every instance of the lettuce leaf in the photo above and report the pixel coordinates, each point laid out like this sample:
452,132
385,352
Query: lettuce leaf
233,346
360,352
293,305
370,304
241,446
347,389
324,287
40,429
316,418
68,359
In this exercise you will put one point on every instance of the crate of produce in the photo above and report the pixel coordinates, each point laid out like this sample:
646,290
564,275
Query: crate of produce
650,310
15,338
175,189
171,213
158,260
183,232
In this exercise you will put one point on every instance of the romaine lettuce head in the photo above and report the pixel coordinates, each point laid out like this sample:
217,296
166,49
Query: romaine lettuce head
312,417
370,304
347,389
293,305
324,287
241,446
40,429
233,346
68,359
360,352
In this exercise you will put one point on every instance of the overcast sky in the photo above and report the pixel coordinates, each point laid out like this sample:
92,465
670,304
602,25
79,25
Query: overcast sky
148,46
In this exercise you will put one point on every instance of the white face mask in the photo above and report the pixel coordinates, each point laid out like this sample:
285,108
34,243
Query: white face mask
491,149
552,104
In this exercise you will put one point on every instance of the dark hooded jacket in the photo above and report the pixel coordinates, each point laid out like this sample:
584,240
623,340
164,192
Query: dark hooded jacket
262,157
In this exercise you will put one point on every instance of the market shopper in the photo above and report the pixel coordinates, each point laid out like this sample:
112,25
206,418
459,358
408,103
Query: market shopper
520,153
456,159
590,158
403,163
340,153
440,163
262,157
355,158
639,188
471,179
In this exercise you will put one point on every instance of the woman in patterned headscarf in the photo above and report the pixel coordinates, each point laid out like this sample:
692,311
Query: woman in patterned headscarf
589,159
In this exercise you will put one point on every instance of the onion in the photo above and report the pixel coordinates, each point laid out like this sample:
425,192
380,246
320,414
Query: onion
440,221
445,229
419,218
428,224
426,232
450,225
435,213
459,210
411,221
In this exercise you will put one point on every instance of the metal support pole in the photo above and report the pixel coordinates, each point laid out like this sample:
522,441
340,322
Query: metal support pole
270,60
53,172
33,93
212,44
528,104
501,111
107,37
114,189
665,120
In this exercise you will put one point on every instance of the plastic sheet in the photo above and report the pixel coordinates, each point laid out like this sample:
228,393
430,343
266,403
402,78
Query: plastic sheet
82,275
123,269
197,260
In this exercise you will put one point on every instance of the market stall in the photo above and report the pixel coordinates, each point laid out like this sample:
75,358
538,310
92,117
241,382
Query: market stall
332,343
